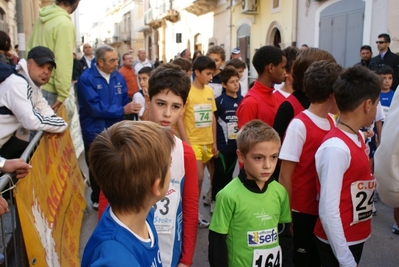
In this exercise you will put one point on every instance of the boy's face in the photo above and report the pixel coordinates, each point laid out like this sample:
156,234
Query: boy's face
260,161
205,76
240,72
143,80
277,74
165,108
232,85
218,60
386,82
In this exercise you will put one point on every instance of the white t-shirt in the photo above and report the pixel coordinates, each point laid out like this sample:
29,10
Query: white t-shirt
295,136
139,98
331,176
151,234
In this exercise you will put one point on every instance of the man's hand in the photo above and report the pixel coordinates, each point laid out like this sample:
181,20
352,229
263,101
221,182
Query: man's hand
182,265
17,165
215,150
56,106
3,206
132,108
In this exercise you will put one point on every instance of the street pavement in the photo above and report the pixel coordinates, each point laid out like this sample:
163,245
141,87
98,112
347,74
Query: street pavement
382,249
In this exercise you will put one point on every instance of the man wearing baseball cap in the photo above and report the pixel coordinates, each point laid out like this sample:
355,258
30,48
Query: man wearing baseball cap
22,102
42,55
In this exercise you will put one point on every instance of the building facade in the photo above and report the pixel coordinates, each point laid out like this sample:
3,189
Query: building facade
343,26
119,28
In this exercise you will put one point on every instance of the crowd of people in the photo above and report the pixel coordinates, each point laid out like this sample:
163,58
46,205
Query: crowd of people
303,136
308,204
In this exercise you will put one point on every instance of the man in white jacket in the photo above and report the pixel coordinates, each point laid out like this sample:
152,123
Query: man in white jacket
22,102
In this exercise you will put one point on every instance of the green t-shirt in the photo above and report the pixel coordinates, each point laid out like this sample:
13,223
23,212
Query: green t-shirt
250,222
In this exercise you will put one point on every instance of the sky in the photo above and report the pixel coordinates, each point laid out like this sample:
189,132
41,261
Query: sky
91,11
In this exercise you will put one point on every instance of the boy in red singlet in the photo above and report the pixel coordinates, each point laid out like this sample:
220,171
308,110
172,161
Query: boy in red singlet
346,185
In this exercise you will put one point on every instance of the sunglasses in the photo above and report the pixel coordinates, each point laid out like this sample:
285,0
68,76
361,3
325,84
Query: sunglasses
380,42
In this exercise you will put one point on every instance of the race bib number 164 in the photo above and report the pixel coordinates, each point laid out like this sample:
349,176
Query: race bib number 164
267,257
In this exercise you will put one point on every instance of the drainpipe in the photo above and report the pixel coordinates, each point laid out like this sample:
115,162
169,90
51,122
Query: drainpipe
20,29
294,22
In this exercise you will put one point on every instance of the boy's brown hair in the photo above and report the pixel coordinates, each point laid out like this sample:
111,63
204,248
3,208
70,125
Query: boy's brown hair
169,77
355,85
183,63
227,73
319,80
217,50
127,158
236,63
290,53
302,62
254,132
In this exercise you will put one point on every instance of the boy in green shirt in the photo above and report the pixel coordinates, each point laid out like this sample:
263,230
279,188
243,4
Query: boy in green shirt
243,231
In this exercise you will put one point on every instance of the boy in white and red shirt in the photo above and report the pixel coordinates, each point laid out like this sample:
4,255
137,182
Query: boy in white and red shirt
298,175
346,185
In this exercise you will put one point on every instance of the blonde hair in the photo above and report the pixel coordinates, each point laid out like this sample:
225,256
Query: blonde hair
126,160
254,132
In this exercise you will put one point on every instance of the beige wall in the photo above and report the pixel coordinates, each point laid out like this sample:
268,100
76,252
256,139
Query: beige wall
190,26
9,18
393,21
264,24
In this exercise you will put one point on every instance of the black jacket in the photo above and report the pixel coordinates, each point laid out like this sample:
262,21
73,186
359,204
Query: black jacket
79,67
389,59
363,63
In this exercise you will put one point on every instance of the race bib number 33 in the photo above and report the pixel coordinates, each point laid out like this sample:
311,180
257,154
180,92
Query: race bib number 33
362,200
203,115
267,257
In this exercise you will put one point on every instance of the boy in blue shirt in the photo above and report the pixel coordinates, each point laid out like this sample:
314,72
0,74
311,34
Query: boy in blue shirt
226,130
131,163
386,95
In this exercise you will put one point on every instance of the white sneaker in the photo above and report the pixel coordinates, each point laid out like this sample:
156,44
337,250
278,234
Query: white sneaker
374,210
212,206
208,197
95,206
202,223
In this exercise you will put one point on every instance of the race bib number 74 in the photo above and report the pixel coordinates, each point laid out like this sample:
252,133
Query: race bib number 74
267,257
362,200
203,115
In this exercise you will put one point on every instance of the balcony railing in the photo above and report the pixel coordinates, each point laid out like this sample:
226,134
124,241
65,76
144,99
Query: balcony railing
151,18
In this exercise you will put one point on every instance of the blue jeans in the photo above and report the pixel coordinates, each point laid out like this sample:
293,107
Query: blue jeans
50,97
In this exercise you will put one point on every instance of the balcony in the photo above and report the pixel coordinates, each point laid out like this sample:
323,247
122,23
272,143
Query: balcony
152,19
167,12
126,37
200,7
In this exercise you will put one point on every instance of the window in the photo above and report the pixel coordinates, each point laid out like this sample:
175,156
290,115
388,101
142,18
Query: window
2,14
275,6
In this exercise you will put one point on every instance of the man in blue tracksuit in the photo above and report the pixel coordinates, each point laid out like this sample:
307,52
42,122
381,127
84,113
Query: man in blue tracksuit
103,100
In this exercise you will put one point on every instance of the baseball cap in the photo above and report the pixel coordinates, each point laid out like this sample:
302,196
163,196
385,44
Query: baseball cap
41,55
236,51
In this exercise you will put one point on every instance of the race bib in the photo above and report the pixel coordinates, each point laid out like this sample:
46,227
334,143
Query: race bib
232,130
203,115
271,257
362,200
165,216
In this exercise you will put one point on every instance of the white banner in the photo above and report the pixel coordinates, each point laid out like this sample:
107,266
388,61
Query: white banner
73,121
